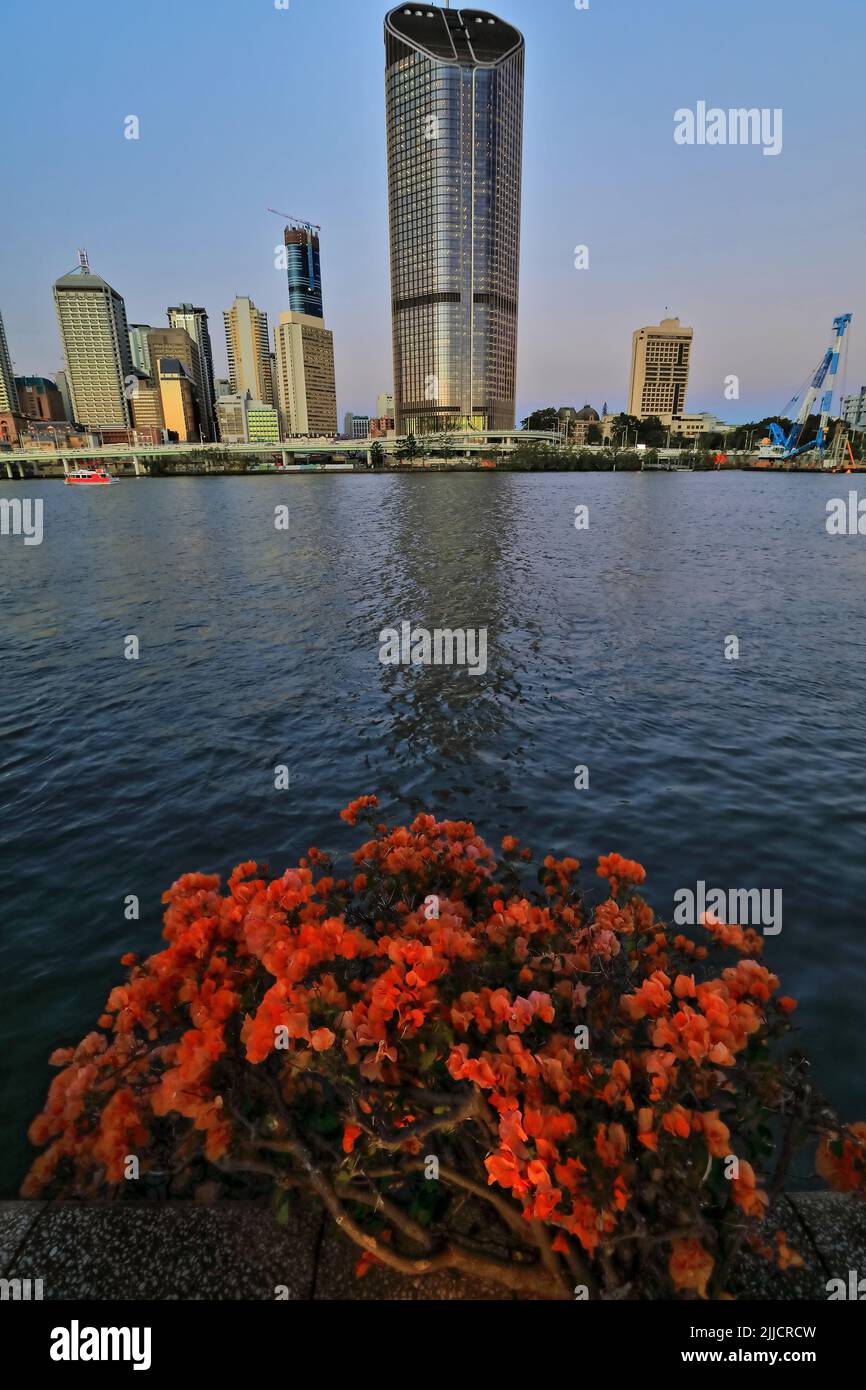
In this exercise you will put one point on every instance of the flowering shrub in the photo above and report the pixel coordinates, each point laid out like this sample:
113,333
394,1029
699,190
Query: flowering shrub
465,1074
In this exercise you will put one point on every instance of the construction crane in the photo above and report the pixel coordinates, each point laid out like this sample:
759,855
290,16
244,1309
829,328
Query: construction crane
298,221
787,446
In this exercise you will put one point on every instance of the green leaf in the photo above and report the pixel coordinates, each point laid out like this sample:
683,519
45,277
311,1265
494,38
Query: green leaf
281,1211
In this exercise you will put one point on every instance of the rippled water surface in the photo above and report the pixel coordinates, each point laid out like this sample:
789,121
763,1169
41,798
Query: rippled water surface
260,647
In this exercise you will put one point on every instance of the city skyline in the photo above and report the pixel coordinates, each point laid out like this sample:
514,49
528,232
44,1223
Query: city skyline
723,238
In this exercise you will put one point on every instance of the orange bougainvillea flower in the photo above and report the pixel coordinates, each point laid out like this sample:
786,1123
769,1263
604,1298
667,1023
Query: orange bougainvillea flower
368,1259
786,1257
690,1266
841,1159
620,871
747,1195
350,1134
716,1134
357,807
570,1061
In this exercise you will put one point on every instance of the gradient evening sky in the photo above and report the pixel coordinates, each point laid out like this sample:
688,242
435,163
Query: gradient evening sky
243,106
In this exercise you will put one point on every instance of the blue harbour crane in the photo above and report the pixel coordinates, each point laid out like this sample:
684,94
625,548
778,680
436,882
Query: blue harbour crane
787,446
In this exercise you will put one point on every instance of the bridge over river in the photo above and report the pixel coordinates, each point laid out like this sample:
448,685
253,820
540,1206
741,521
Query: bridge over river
293,452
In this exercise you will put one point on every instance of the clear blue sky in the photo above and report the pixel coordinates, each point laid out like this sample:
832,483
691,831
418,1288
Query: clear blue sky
243,106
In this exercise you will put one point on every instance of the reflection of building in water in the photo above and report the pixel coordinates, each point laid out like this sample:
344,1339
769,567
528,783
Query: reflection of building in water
443,720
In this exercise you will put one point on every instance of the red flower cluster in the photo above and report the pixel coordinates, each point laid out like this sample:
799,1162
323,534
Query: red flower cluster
570,1061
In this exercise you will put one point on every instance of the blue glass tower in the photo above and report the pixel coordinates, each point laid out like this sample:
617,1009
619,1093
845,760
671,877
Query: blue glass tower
304,269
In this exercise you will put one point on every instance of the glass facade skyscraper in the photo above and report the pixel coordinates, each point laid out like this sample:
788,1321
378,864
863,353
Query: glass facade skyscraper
304,270
454,105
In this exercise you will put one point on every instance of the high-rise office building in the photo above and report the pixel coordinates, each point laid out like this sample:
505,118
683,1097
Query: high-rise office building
660,357
10,416
454,102
248,350
147,414
138,347
306,388
385,406
63,388
177,344
8,391
303,358
39,398
194,320
303,269
177,397
95,338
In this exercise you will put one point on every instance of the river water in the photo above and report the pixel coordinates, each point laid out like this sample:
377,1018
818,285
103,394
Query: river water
259,647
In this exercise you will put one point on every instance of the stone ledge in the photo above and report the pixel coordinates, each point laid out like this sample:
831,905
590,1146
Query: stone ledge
826,1228
237,1251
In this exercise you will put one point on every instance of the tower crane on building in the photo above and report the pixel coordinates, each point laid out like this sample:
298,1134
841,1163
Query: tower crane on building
786,447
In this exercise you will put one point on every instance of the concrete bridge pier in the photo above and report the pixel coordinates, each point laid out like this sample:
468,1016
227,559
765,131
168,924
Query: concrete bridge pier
9,473
66,467
285,458
137,468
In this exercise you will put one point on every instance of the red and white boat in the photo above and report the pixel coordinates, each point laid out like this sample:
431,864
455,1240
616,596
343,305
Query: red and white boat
90,477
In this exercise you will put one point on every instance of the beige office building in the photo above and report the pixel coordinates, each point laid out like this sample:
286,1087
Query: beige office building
306,387
178,344
177,396
249,351
231,413
147,417
660,357
95,337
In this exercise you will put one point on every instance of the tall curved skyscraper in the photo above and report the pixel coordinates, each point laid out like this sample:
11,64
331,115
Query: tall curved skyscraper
454,103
